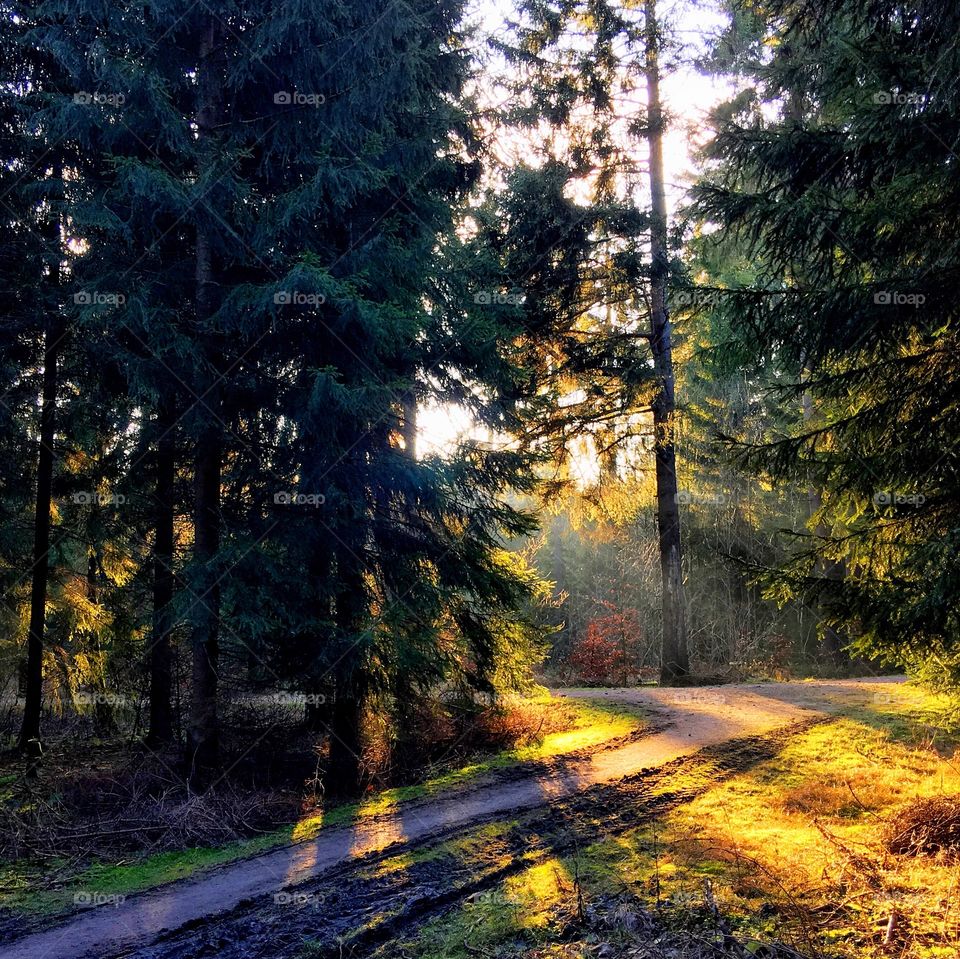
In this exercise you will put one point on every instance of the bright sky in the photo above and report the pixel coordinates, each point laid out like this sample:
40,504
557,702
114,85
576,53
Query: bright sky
687,97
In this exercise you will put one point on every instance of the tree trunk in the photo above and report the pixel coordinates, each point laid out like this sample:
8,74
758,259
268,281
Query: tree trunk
674,662
29,743
203,733
319,568
346,745
410,425
345,739
104,720
161,676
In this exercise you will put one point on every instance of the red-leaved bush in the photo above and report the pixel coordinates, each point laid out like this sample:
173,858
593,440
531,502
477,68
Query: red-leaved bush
607,653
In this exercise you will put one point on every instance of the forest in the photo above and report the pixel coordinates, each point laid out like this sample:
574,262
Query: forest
479,479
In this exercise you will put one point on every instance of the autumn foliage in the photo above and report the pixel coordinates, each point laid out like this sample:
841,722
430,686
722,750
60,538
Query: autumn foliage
607,653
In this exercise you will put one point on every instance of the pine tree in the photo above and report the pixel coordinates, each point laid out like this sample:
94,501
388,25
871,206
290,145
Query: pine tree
834,168
273,190
592,263
675,662
35,321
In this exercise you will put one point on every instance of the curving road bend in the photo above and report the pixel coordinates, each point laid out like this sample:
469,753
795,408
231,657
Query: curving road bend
688,719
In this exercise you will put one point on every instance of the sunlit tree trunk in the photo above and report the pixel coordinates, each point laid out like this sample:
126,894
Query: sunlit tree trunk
347,714
29,742
674,662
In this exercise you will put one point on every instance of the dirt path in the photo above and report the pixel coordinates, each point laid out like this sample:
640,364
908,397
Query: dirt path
696,718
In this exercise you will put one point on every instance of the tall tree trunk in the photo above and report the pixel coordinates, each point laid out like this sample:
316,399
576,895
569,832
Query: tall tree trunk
345,736
161,658
203,733
29,742
674,661
345,726
319,568
104,720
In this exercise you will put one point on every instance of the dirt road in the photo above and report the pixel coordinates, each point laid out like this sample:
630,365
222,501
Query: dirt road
688,721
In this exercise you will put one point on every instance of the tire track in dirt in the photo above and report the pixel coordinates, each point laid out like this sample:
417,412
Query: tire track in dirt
357,909
698,719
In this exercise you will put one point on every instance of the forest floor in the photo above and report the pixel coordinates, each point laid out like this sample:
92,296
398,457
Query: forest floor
743,818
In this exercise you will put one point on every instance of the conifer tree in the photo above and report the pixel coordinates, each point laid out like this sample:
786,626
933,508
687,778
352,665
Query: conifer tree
35,314
834,168
591,258
273,187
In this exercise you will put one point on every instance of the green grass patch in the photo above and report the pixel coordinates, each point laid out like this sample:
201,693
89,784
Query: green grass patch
28,888
792,849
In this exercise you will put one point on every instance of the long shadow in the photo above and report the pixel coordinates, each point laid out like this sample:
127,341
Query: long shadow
869,686
355,909
191,905
874,705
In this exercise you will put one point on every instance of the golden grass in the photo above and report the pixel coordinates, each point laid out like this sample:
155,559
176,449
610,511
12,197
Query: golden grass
794,849
806,830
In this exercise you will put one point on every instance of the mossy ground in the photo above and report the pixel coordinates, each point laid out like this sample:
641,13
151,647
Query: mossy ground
33,888
790,850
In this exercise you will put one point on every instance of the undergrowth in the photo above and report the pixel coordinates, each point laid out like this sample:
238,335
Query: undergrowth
129,824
